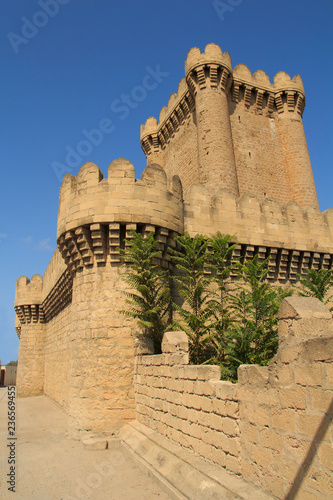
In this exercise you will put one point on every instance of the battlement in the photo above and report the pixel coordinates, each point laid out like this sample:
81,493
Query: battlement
172,116
211,55
294,239
281,95
29,291
28,299
266,223
88,198
53,272
224,134
96,214
258,93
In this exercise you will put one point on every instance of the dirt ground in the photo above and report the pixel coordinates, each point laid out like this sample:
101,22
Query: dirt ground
50,466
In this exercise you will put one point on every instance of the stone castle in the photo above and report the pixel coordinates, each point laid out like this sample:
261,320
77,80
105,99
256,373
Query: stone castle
228,154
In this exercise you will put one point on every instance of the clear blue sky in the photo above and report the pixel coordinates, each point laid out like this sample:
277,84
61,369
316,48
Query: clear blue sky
63,77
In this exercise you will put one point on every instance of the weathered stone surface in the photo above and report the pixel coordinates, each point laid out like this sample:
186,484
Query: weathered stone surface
235,143
261,427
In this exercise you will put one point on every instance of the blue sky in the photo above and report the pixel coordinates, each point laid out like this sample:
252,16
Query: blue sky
66,64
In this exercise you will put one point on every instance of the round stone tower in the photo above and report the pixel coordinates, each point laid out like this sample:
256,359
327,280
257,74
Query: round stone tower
290,102
95,216
209,76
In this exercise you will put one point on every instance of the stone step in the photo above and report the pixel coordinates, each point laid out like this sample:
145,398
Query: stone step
182,473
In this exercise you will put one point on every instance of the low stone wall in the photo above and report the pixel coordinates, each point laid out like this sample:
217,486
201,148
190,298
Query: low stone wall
188,403
274,426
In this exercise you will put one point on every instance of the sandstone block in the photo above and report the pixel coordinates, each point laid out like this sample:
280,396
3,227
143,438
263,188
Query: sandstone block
320,399
325,453
309,424
262,457
283,419
94,443
310,375
174,342
293,398
271,439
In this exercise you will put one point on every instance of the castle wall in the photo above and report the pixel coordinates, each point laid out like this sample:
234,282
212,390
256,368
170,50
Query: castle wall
274,427
89,199
294,239
189,404
101,395
95,217
260,161
181,153
55,269
30,368
224,134
58,356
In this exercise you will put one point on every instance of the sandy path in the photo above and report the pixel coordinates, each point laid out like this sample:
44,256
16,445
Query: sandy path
50,466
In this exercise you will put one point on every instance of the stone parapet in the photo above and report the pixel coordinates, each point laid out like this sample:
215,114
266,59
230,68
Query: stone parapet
55,269
273,427
28,299
89,199
157,134
96,214
258,93
256,223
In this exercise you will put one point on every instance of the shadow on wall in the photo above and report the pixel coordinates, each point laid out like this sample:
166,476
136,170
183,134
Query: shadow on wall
274,426
311,454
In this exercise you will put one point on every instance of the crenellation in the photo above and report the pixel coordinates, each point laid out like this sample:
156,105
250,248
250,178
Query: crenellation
148,200
55,269
29,291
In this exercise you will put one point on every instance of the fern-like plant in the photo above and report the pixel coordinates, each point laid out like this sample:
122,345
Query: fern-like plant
253,337
221,264
191,259
150,301
317,284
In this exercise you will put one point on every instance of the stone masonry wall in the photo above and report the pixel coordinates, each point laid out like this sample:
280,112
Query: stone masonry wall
95,218
259,169
43,313
30,368
101,393
57,357
189,404
55,269
181,155
266,224
274,427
